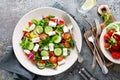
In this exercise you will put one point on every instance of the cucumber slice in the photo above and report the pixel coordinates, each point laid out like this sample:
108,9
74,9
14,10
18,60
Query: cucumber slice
40,66
31,45
56,39
44,53
58,51
39,29
48,29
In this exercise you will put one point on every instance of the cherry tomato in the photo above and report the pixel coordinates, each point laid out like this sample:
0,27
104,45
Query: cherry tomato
60,58
46,17
110,32
116,55
66,36
106,45
61,22
53,59
42,62
119,43
30,23
111,50
54,20
51,53
67,44
42,36
115,47
106,37
116,37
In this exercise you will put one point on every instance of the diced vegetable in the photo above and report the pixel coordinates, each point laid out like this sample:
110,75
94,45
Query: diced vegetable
58,51
48,29
26,44
44,53
56,39
39,29
47,42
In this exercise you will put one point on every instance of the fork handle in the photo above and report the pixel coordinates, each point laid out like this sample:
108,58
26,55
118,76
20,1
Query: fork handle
102,65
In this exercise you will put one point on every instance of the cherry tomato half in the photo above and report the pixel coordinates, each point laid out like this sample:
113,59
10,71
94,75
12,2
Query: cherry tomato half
116,37
106,37
67,36
116,55
110,32
53,59
106,45
51,53
42,36
116,47
60,58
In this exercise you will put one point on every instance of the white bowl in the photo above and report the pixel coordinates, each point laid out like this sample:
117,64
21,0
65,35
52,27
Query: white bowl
37,14
106,53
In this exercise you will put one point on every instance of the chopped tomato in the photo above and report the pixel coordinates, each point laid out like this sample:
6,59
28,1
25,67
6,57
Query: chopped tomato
42,62
67,44
111,50
115,47
106,45
119,43
110,32
116,55
51,53
53,59
60,58
27,34
116,37
30,23
46,17
61,22
106,37
67,36
42,36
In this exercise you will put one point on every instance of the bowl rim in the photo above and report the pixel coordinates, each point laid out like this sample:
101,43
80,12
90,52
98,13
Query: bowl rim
106,53
40,9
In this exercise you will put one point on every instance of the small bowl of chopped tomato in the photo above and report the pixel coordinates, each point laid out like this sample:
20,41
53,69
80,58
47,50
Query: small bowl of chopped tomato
110,42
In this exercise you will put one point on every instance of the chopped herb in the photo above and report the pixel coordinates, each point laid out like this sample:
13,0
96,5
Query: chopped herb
106,18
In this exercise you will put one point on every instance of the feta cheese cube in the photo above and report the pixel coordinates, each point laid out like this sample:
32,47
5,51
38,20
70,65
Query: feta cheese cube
61,62
51,47
65,52
34,40
65,29
36,47
26,51
32,27
45,58
52,24
51,33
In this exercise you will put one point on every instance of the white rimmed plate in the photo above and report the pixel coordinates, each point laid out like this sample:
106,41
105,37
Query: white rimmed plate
106,53
17,34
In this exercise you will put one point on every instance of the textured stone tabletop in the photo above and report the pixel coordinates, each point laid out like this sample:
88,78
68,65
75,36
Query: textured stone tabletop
12,10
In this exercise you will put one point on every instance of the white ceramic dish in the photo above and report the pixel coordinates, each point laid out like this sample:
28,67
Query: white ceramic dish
37,14
106,53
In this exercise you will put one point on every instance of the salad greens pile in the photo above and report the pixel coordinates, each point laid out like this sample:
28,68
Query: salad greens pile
46,43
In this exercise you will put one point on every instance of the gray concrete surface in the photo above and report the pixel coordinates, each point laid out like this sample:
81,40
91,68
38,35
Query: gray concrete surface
12,10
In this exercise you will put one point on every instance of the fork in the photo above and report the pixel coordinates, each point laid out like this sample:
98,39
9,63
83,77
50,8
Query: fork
67,20
102,65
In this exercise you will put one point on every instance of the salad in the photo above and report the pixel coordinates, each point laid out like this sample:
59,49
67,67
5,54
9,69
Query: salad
47,42
112,40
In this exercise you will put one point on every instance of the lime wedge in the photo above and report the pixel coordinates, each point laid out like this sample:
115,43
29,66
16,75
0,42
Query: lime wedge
88,4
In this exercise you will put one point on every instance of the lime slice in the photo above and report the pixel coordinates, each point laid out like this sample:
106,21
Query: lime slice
88,4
